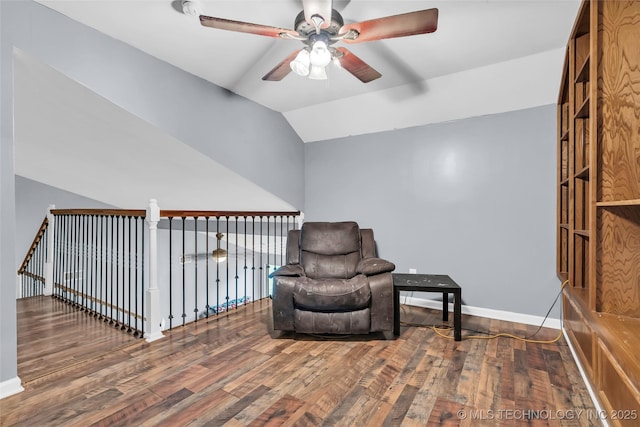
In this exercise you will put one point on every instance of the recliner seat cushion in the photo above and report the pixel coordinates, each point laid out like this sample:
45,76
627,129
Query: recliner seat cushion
339,295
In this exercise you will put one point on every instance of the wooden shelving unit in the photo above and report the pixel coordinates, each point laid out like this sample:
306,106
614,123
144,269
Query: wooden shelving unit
598,242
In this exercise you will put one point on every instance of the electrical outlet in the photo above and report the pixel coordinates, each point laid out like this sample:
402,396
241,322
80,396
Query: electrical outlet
412,271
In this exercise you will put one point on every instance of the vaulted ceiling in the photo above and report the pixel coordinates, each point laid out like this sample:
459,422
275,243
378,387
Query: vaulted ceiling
487,56
479,44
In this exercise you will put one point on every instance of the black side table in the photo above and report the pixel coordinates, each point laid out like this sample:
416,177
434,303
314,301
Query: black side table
429,283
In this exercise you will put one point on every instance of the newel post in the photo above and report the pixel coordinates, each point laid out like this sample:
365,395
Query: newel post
48,275
152,307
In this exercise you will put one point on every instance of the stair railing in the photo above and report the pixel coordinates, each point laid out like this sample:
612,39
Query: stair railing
218,261
98,265
145,271
32,271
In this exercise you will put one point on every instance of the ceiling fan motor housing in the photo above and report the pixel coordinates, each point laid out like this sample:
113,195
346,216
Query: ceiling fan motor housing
308,30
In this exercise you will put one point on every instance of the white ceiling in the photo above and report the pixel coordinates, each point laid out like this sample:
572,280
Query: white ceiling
487,56
472,34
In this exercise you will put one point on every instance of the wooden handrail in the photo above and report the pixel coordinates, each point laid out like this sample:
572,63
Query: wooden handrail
99,301
34,276
34,245
168,213
182,213
107,212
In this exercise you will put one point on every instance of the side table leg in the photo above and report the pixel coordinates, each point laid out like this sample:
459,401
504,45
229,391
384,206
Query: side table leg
396,312
457,316
445,306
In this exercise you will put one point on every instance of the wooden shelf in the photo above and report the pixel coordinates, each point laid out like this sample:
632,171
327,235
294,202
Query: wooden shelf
581,26
564,226
583,111
635,202
621,333
582,75
612,332
583,233
565,135
580,295
583,173
623,329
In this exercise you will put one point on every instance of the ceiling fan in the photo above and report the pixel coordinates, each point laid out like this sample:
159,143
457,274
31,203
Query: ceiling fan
319,27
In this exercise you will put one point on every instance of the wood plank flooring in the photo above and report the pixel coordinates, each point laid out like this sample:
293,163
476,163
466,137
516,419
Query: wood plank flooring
53,335
237,371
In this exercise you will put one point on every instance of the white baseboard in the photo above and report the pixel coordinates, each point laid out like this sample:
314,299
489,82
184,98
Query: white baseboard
509,316
10,387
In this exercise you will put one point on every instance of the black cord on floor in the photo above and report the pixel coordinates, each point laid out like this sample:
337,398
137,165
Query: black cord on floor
526,338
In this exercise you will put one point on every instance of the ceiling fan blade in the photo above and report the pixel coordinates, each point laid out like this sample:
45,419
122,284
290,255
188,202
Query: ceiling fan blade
317,7
406,24
281,70
357,66
244,27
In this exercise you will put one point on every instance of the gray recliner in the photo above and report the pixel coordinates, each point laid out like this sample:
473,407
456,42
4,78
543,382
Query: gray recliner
333,282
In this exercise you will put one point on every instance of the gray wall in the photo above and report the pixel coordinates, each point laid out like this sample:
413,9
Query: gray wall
474,199
32,200
8,339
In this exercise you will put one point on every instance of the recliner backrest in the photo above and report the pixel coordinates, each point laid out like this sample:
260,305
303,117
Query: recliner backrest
330,250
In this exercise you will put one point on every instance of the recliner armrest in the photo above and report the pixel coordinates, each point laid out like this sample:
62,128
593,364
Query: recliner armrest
293,270
372,266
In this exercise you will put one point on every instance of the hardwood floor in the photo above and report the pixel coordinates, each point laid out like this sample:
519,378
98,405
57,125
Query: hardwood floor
53,335
237,371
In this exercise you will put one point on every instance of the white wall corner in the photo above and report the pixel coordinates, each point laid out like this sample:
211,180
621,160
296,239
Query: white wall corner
10,387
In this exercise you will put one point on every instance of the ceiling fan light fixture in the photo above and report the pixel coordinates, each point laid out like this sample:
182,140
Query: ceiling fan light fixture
301,64
317,73
219,255
320,55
